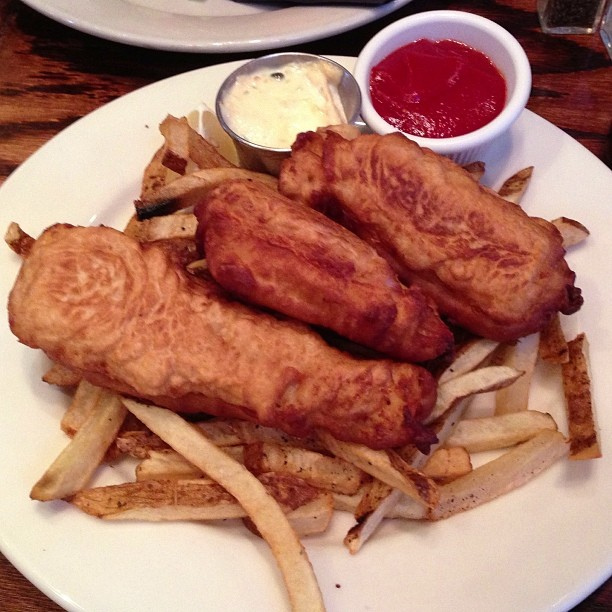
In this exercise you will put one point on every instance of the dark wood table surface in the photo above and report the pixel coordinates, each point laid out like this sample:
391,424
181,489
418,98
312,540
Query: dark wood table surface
51,75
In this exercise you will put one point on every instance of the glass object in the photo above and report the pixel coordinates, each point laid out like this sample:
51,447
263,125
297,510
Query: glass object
570,16
606,30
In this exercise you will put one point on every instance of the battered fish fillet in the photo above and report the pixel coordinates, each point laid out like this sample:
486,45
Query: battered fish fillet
128,317
275,253
487,265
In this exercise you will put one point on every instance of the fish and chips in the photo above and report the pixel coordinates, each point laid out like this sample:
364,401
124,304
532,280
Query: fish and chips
194,343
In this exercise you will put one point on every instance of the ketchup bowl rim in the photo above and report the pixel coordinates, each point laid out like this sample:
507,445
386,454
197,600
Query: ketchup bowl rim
475,31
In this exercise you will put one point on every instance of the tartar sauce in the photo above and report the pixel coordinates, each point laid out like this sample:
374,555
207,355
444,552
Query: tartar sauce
269,107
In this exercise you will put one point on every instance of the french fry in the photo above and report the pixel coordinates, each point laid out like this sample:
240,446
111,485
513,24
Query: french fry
475,169
18,241
61,376
521,356
501,431
572,231
481,380
185,150
74,466
387,466
81,407
511,470
514,187
319,470
167,464
553,345
447,464
300,580
188,190
202,500
583,434
155,175
177,225
468,357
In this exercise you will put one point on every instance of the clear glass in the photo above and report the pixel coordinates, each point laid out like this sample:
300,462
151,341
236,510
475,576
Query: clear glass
606,30
570,16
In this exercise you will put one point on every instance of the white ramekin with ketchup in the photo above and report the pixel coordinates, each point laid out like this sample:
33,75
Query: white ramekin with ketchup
420,75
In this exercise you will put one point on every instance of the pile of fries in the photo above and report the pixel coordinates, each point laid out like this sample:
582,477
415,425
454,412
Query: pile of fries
286,488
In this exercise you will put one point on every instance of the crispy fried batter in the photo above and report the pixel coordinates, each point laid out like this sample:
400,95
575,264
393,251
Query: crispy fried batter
127,316
290,258
486,264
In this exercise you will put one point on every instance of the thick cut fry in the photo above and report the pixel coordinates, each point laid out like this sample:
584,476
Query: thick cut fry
300,580
319,470
475,169
379,499
187,190
447,464
521,356
572,231
18,241
75,465
177,225
156,175
514,187
496,432
202,500
139,443
166,464
61,376
482,380
387,466
468,357
509,471
82,406
583,434
553,345
185,150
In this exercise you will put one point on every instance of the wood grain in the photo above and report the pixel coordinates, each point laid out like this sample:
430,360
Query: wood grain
51,75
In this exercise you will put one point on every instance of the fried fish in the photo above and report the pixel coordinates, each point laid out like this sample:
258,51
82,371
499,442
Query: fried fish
129,317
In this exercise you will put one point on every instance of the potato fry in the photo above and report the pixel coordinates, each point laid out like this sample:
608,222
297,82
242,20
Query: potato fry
482,380
156,175
511,470
82,406
300,580
319,470
501,431
185,150
553,345
18,241
447,464
521,356
468,357
202,500
61,376
75,465
387,466
583,434
177,225
475,169
572,231
188,190
515,186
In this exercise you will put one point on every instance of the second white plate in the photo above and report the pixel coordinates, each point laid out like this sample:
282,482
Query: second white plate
213,26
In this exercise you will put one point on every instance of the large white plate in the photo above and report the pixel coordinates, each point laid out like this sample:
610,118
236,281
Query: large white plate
213,26
543,547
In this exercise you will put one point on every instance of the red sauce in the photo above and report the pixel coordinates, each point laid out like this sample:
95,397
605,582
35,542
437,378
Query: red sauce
437,89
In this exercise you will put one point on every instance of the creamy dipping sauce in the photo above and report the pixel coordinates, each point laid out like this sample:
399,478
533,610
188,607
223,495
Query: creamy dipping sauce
270,107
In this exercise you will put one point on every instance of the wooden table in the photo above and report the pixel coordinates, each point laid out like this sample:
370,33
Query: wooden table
51,75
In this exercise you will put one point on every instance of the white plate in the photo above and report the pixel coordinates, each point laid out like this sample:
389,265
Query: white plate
542,547
213,26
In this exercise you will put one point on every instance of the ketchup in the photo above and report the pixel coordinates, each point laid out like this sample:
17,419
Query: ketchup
437,89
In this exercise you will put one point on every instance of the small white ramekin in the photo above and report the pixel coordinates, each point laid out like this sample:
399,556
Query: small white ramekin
477,32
